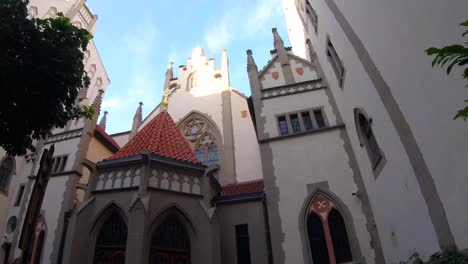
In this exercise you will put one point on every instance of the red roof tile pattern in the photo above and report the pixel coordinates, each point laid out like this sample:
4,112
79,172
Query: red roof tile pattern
161,137
243,187
106,136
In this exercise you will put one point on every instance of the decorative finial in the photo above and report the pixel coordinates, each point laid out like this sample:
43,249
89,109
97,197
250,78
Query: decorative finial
165,102
170,65
250,61
103,121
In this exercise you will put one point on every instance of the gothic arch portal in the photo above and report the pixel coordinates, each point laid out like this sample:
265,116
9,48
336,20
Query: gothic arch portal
171,236
109,234
329,203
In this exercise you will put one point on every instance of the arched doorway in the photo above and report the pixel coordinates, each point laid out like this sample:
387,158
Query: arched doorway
111,241
326,230
170,243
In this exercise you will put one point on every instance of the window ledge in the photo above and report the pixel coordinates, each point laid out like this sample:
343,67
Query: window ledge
303,133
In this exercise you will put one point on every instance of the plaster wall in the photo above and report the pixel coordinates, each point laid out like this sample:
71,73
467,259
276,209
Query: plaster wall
247,152
121,138
321,159
266,76
252,214
416,88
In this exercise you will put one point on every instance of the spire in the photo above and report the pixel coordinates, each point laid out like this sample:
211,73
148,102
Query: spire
225,69
169,76
251,62
103,121
98,102
279,47
252,72
137,120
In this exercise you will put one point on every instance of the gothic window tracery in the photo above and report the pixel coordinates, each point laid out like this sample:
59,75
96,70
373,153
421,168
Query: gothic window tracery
194,129
207,151
326,230
201,137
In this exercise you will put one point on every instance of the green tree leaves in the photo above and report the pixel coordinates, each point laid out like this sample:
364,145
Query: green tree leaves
41,73
450,56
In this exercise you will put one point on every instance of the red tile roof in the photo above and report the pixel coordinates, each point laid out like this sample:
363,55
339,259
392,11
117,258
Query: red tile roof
161,137
108,140
243,187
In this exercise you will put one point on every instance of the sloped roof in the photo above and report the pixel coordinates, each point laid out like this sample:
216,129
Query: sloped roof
243,187
161,137
107,140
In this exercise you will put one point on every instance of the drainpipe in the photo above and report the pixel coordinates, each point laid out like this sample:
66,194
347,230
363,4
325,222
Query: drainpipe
267,229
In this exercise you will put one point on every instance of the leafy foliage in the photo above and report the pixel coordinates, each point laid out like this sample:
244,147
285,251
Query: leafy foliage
41,73
447,256
450,56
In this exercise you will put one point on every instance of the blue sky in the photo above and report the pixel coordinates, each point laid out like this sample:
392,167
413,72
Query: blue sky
136,39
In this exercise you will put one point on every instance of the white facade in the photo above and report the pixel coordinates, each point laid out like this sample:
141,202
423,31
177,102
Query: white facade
417,195
68,142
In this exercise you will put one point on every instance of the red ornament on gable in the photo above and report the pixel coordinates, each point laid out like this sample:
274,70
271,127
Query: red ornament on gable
275,75
244,113
300,70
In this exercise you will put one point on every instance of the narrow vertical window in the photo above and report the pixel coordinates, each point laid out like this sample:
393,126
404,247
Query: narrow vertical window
283,125
296,127
336,63
370,141
19,195
63,163
243,244
339,237
6,169
319,118
318,242
312,15
307,121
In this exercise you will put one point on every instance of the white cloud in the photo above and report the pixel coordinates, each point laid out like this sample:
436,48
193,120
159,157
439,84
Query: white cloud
111,103
244,20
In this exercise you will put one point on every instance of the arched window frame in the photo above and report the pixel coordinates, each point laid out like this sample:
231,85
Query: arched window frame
175,211
7,169
102,217
368,140
314,192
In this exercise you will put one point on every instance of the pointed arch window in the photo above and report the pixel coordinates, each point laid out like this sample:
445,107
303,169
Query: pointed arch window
170,243
6,170
112,240
207,151
327,234
367,138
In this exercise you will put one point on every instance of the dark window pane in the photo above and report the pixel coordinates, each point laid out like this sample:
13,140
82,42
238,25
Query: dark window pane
307,121
63,163
112,240
170,243
317,241
5,172
373,147
339,237
19,195
319,118
242,244
296,127
375,151
283,125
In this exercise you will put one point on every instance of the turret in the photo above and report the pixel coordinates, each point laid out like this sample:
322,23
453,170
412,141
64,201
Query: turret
137,120
225,70
103,121
252,72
